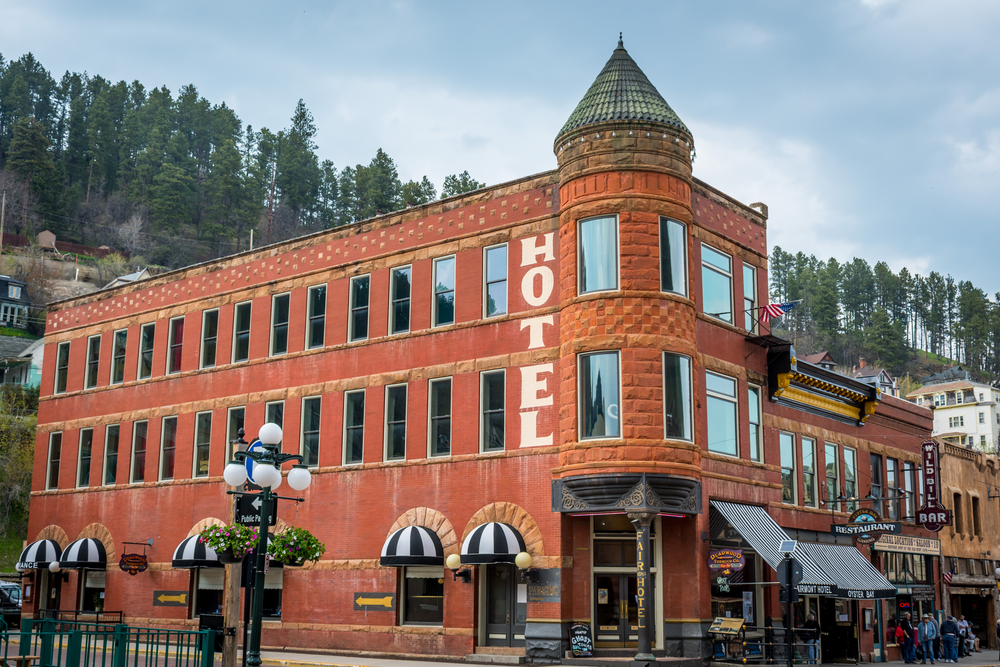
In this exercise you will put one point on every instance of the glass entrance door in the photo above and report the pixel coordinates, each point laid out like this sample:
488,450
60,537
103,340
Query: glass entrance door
617,610
506,606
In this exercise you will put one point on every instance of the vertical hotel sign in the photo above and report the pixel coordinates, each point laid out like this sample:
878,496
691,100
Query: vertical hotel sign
932,515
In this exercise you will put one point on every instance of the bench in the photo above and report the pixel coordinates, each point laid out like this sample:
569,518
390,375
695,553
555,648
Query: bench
21,660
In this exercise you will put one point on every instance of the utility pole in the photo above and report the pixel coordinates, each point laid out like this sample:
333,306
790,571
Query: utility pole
231,602
270,204
3,209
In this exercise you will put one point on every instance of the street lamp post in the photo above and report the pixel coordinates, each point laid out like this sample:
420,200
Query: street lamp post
266,474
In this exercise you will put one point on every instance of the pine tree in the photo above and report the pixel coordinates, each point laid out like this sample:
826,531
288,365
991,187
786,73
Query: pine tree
29,158
415,194
457,184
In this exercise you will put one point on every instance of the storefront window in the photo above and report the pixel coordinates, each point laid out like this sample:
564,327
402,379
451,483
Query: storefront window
92,595
273,582
423,595
736,596
208,591
906,569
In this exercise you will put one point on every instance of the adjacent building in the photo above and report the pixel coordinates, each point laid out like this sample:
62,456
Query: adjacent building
556,362
965,411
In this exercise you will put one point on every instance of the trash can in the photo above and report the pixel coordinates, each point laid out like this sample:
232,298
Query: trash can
213,622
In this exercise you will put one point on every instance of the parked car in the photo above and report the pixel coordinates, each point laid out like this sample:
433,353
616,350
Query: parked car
10,595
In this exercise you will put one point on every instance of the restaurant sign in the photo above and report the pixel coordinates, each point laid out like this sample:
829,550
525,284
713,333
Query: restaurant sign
866,526
932,515
133,563
907,544
726,561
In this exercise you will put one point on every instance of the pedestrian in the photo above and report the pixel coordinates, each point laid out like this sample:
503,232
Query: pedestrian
909,651
927,633
937,638
810,634
949,634
963,634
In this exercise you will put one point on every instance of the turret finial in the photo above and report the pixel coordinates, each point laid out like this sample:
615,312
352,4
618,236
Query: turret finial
621,44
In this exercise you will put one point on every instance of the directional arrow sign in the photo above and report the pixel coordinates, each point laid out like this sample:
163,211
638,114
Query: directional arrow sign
248,511
379,601
170,598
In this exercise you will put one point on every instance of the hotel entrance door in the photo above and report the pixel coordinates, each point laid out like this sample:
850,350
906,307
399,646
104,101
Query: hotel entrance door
506,606
617,611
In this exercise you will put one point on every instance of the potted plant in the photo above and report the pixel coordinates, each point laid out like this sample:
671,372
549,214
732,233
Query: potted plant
231,543
294,546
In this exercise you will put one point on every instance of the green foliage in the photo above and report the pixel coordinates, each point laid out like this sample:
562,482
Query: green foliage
457,184
295,546
18,418
415,194
237,537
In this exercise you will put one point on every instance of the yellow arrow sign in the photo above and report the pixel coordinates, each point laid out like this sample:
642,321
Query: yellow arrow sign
181,599
375,602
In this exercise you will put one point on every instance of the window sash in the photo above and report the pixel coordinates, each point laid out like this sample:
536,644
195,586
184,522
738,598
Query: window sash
235,420
753,409
395,422
274,413
311,414
93,360
360,299
84,457
112,434
118,356
809,496
140,431
673,256
399,300
209,337
789,490
493,390
444,291
52,467
316,324
600,392
440,417
146,338
723,425
279,323
716,284
176,344
851,477
750,298
62,367
168,447
202,443
495,281
354,427
677,403
832,473
241,331
598,254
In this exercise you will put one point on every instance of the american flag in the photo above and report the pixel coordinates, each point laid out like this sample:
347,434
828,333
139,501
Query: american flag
947,577
776,310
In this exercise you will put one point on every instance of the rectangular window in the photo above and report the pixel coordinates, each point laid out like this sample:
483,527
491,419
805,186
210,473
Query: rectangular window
399,300
851,477
93,360
139,430
359,307
493,392
788,490
495,281
982,417
677,396
354,426
717,284
395,422
750,298
311,408
600,415
959,397
909,484
146,334
168,447
118,357
598,263
84,456
62,367
202,443
234,423
722,422
809,472
316,325
892,487
52,469
876,471
241,332
111,433
423,595
444,291
279,324
673,256
175,344
753,401
440,417
832,476
209,337
976,526
274,413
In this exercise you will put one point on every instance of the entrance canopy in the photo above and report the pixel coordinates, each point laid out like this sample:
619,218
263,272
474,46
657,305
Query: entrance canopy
413,545
192,552
855,577
38,555
492,543
86,553
764,535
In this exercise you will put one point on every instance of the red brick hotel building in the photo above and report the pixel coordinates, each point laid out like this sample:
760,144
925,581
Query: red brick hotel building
570,354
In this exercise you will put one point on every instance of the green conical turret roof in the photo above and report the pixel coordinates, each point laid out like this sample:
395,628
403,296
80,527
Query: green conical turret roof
622,92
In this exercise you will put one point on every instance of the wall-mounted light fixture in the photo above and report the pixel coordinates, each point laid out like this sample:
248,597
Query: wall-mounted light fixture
454,563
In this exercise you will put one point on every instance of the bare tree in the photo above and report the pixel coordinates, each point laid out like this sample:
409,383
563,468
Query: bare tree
132,233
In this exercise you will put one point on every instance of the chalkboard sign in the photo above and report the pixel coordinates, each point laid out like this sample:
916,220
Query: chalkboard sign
579,640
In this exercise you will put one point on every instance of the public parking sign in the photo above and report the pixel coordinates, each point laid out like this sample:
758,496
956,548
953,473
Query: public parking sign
248,510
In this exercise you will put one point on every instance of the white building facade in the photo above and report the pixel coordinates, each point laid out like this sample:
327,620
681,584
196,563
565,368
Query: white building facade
965,412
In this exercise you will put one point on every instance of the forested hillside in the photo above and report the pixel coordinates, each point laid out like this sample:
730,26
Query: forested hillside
172,177
856,310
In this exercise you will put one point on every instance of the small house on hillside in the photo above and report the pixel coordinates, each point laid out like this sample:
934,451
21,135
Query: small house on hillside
128,278
822,359
877,376
14,303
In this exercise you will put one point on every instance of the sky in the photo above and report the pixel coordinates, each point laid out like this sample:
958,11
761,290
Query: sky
870,128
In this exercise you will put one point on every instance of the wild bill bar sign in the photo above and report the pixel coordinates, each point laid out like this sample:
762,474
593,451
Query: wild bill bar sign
866,526
932,515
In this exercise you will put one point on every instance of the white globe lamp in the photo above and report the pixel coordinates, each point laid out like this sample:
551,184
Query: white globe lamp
270,434
235,473
265,474
299,478
277,480
54,566
523,560
454,562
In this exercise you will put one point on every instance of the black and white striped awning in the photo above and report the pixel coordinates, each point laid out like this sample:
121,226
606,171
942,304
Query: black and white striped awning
492,543
764,536
38,555
85,553
413,545
192,552
855,577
